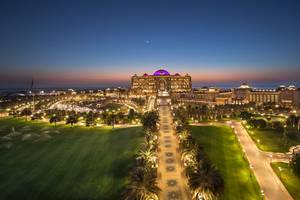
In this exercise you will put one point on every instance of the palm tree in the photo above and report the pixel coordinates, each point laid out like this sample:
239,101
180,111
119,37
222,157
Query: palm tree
72,119
149,136
206,182
90,119
188,157
26,112
295,163
150,120
292,120
53,119
184,135
142,185
148,155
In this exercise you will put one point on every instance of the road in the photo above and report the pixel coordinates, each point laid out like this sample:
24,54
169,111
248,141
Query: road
270,184
171,179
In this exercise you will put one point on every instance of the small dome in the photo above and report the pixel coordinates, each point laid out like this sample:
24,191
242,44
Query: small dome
145,74
161,72
244,86
177,74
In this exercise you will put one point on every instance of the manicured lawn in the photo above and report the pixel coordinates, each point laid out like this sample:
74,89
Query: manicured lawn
270,140
65,163
290,181
222,148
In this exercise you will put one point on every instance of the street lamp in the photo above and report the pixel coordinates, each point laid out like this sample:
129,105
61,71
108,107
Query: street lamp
280,170
262,194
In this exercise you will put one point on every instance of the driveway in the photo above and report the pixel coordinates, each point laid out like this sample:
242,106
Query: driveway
270,184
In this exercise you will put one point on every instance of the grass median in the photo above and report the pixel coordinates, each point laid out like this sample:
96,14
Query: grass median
223,149
288,178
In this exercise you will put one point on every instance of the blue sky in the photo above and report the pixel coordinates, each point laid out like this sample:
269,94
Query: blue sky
105,42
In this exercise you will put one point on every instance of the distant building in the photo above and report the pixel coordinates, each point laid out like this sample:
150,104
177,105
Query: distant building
264,96
206,95
116,92
285,96
160,81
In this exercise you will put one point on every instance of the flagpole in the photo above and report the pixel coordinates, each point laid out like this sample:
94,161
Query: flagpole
33,104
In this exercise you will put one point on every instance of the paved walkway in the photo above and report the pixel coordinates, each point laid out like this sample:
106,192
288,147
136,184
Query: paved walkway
172,182
270,184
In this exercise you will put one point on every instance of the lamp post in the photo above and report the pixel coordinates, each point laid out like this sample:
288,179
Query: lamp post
280,170
262,194
251,168
113,115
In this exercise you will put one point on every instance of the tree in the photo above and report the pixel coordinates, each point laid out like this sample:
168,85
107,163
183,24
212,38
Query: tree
112,119
295,163
90,119
131,115
278,126
142,185
26,112
245,115
147,155
292,120
258,123
181,116
150,120
37,116
285,137
72,119
206,182
53,119
120,117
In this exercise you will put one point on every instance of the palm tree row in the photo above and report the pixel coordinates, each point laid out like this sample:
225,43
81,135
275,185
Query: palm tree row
217,112
142,183
204,179
150,121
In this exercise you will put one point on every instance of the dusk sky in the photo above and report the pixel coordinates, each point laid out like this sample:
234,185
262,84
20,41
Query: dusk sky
103,43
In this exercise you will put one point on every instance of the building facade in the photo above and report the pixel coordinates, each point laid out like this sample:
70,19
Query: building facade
285,96
160,81
206,95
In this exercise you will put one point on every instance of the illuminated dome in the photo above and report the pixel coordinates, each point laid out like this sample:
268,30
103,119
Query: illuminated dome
161,72
245,86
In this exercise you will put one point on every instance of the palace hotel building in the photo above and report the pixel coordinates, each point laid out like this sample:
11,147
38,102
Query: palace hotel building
160,81
180,89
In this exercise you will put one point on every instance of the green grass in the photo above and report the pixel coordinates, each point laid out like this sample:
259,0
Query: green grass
79,163
270,140
288,178
223,149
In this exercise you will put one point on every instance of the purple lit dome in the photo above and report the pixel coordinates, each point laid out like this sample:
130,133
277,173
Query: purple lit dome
161,72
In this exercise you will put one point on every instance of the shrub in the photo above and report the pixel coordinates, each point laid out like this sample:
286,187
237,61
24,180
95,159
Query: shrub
295,164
